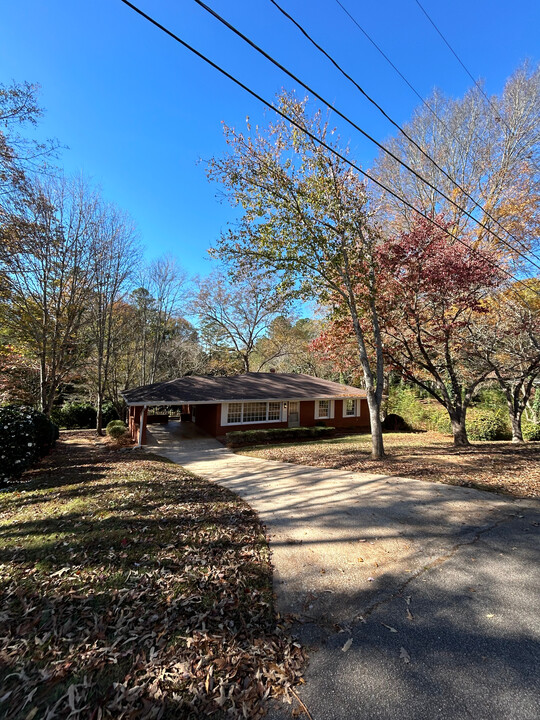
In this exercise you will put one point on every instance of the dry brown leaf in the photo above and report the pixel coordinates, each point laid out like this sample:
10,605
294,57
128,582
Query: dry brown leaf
404,655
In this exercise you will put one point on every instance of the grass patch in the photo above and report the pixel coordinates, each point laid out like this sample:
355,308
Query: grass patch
130,588
496,466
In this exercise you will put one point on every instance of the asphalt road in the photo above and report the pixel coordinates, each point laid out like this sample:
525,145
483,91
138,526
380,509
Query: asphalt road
415,601
460,640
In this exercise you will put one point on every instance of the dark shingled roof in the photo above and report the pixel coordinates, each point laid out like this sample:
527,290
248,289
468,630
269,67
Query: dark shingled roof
251,386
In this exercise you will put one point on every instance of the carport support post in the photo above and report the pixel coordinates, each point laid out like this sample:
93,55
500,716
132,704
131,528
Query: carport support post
131,421
142,425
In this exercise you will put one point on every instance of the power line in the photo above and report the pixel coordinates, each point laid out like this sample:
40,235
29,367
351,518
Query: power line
454,53
405,80
397,70
496,114
316,139
396,125
358,128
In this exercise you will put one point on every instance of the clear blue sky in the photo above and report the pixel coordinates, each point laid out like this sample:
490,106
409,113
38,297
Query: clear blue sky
137,111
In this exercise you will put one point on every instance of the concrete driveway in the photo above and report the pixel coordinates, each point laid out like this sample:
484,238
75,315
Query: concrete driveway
415,600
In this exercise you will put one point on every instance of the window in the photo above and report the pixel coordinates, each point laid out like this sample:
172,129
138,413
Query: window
323,408
274,411
350,407
251,412
234,413
255,412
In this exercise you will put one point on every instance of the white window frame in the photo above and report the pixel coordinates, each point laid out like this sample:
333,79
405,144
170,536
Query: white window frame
225,413
357,407
330,415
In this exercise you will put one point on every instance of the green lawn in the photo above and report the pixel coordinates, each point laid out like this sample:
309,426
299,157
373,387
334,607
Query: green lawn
497,466
129,588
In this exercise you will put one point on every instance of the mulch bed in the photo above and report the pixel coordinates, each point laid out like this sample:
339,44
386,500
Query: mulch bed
496,466
131,589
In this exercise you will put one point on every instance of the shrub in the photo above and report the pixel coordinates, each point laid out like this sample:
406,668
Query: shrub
530,430
491,396
395,423
25,436
254,437
109,413
439,420
116,429
418,414
75,415
78,415
487,424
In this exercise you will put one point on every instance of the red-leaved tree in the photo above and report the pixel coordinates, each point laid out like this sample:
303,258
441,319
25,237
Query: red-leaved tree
433,290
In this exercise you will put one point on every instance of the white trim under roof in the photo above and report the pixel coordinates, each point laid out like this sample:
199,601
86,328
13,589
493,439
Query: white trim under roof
159,403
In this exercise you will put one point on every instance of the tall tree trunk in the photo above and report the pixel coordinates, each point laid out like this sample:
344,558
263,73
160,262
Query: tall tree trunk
377,445
515,420
99,408
459,430
99,412
374,387
43,384
515,405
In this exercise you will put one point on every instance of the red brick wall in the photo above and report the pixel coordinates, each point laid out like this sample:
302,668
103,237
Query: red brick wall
307,415
224,429
207,417
360,421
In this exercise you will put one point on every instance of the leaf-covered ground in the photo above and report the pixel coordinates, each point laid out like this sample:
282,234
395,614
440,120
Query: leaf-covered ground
496,466
131,589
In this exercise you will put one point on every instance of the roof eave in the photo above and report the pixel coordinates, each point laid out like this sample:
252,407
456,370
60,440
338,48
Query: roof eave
158,403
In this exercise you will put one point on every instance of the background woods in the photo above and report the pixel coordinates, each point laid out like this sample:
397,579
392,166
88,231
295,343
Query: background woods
433,288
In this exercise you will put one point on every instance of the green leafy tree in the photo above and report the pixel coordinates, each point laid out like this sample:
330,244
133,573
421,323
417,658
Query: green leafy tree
306,216
47,268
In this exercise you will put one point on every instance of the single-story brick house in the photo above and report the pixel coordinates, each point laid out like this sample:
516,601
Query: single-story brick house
250,401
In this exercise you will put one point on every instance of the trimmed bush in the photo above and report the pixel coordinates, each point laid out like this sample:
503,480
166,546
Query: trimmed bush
25,436
487,424
255,437
530,430
116,429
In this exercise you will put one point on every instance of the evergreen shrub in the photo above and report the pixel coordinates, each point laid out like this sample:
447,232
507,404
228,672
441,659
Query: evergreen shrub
79,415
116,429
487,424
254,437
418,414
530,430
25,436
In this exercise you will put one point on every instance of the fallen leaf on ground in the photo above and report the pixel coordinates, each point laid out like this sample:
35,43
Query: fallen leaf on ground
404,655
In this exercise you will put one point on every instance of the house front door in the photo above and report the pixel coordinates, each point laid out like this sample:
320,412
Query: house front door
293,414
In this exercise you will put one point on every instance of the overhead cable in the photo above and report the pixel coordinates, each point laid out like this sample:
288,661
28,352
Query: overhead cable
398,127
353,124
318,140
